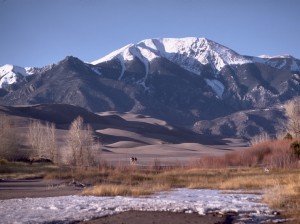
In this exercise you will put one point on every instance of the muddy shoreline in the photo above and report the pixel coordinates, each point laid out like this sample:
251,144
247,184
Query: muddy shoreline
147,217
36,188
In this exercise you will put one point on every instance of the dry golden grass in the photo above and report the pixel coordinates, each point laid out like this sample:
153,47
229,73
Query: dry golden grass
285,195
281,186
125,190
113,190
138,182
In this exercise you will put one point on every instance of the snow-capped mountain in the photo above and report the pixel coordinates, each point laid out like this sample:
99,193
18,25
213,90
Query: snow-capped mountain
196,55
191,53
10,74
180,80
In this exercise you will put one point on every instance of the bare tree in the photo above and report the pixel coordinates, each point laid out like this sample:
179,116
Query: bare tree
51,140
81,145
9,140
293,113
42,139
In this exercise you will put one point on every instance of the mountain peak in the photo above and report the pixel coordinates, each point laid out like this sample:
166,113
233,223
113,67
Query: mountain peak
70,61
70,58
6,67
191,53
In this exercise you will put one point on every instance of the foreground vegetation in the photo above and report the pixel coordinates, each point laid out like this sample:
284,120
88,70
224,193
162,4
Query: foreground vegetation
280,187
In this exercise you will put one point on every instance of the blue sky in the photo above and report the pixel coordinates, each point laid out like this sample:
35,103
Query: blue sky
40,32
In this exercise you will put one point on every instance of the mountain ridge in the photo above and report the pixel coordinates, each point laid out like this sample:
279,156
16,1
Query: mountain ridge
156,48
180,80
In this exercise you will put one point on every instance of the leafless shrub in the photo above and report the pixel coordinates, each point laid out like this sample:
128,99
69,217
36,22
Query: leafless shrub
211,162
263,137
155,165
9,140
272,153
295,147
280,159
81,145
293,113
42,139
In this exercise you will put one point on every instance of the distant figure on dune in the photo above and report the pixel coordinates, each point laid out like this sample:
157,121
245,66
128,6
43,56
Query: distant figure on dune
133,160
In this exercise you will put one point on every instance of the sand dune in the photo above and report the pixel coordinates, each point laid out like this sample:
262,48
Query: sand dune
132,135
125,135
124,144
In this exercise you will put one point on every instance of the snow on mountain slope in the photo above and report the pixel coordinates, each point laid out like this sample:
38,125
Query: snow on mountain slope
191,53
10,74
202,50
279,62
30,70
122,51
216,85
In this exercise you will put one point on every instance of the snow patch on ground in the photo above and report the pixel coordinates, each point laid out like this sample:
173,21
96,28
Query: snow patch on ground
216,85
70,208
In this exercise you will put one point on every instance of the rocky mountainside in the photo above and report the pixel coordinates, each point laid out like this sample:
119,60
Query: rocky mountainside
186,81
245,124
